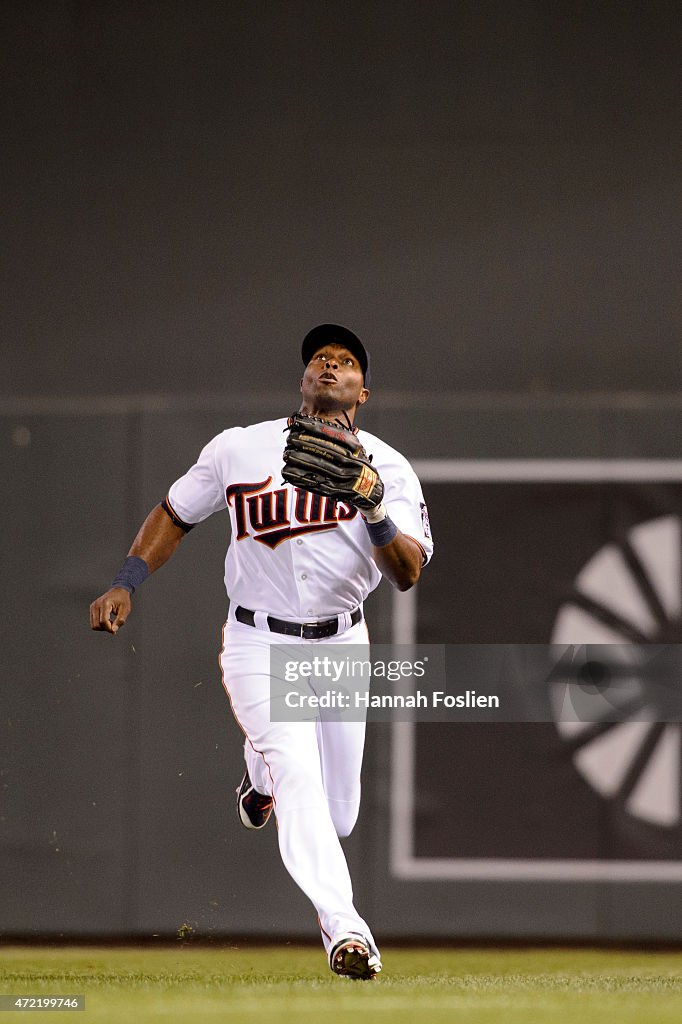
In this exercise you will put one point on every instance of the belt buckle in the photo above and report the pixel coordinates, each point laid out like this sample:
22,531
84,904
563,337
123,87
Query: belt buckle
319,630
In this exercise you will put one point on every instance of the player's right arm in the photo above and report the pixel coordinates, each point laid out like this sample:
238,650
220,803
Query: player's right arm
190,500
156,540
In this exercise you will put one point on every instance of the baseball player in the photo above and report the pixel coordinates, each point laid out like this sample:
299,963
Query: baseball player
319,511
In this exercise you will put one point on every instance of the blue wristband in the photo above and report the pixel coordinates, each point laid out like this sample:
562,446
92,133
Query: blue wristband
133,572
382,533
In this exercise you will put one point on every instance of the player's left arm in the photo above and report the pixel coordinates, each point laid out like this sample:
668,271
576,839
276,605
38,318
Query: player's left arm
398,526
400,561
329,458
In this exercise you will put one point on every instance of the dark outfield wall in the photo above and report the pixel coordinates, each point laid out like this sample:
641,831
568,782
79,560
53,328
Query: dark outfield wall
489,195
119,756
488,192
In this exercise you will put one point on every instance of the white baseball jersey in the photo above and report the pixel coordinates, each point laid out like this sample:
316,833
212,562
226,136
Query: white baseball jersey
293,554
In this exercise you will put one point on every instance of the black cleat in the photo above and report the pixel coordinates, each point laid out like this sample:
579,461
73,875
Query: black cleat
352,957
253,808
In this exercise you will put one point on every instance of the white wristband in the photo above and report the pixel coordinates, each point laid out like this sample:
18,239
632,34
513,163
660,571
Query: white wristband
377,515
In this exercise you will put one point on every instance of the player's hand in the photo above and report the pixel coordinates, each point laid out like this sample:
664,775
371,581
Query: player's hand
110,611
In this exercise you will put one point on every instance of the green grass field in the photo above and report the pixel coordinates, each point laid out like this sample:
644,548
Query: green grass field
287,984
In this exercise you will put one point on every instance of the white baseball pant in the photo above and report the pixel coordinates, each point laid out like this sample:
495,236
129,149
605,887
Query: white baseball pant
310,768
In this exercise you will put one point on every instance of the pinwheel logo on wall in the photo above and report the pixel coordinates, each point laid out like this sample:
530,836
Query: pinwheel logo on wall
614,703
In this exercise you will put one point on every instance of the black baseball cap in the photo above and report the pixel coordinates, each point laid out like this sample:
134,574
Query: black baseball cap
325,334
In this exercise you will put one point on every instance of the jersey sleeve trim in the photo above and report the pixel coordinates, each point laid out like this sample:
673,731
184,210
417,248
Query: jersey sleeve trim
174,517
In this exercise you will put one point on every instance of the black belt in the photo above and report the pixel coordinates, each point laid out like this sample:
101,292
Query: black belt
306,630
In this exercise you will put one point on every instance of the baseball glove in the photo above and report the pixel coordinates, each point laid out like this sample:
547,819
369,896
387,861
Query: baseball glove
327,458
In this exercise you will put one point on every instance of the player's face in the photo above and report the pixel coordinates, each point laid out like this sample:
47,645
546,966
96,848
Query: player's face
333,381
